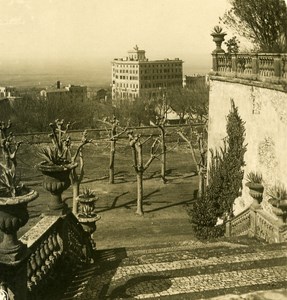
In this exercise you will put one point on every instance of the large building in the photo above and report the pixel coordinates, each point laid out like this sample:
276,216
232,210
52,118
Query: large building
135,75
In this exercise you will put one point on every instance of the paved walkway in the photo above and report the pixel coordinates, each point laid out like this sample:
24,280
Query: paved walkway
185,270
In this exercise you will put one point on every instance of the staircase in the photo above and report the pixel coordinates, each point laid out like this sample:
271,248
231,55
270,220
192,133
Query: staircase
185,270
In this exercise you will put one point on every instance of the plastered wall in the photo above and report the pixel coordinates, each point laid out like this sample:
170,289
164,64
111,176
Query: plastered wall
265,112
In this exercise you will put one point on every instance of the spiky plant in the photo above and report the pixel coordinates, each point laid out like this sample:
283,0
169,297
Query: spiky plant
254,177
278,192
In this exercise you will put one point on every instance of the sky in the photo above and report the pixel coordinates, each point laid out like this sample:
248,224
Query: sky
88,34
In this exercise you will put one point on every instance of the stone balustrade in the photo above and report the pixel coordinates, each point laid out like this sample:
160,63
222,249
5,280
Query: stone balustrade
56,246
257,223
266,67
239,225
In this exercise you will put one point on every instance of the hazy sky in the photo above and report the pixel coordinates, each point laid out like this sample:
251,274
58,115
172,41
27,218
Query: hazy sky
91,32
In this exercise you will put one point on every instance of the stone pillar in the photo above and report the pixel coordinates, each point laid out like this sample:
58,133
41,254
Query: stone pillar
214,62
228,229
277,66
234,63
255,65
252,230
13,279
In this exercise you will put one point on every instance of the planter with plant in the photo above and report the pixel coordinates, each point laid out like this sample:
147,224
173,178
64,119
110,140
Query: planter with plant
278,200
57,165
218,37
256,188
87,215
14,197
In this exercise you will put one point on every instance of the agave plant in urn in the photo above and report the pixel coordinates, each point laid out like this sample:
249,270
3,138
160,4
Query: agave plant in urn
278,200
14,197
254,183
57,166
87,215
218,37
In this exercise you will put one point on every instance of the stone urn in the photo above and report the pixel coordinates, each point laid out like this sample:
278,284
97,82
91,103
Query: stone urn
87,215
56,181
13,215
218,38
279,208
256,192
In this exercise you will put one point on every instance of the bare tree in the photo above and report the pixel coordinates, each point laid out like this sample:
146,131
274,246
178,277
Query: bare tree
201,162
160,124
113,137
139,166
76,178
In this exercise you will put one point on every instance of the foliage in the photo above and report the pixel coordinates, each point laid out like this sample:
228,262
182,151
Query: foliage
52,155
232,45
233,161
224,179
88,193
205,210
191,101
58,153
217,29
10,185
32,113
137,112
278,192
254,177
263,22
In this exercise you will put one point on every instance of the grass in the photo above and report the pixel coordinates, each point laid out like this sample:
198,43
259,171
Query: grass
164,204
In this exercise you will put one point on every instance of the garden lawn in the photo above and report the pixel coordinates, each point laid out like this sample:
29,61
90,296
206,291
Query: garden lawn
165,218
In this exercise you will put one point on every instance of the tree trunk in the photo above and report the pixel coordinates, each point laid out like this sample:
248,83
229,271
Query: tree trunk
163,163
139,193
112,162
76,192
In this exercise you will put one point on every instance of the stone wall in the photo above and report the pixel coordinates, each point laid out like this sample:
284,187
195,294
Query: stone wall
264,109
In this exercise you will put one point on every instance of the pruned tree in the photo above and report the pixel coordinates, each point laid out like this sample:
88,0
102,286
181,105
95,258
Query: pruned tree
160,124
263,22
77,177
139,166
201,161
113,138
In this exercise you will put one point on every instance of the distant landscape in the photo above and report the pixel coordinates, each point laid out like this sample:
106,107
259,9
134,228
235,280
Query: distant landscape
97,75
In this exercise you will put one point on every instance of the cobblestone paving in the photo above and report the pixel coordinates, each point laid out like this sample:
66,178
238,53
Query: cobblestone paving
186,271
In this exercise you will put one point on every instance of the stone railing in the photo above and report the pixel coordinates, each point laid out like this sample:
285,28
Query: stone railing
266,67
257,223
239,225
56,246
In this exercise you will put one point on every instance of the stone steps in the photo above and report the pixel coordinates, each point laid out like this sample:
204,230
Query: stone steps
186,270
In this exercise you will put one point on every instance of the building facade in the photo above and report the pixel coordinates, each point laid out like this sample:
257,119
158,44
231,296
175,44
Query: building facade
70,92
136,76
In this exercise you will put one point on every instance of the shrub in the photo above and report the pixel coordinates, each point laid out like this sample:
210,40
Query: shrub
225,177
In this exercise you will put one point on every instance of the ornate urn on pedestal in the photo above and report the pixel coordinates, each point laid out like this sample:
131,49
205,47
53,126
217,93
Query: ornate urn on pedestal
57,166
56,181
254,183
278,200
14,197
13,215
86,214
218,38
